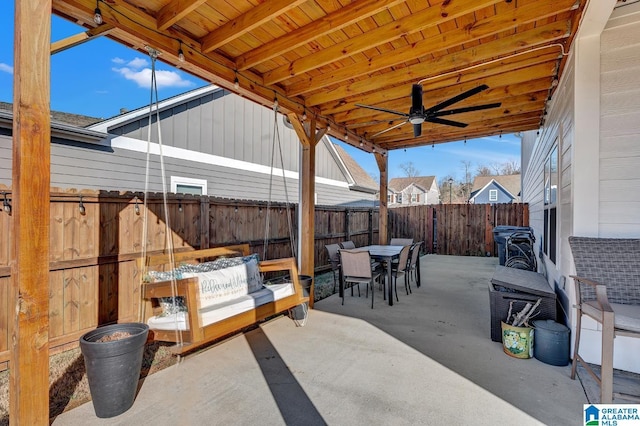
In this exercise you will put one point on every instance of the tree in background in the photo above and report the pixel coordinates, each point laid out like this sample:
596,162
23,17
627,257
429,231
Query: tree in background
409,169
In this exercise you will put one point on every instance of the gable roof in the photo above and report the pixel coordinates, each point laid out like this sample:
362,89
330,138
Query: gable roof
361,178
510,183
76,120
399,184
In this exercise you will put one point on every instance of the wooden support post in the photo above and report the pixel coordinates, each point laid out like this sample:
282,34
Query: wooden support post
308,138
383,165
29,362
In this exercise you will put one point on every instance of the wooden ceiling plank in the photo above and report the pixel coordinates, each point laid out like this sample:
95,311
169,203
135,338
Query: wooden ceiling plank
519,42
515,17
426,18
246,22
176,10
330,23
78,39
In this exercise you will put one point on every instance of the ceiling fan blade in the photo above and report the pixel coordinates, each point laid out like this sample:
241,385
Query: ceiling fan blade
389,129
417,130
447,122
416,98
465,109
457,98
383,110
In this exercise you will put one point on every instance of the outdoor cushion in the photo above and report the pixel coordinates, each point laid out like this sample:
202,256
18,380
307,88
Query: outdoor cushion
218,312
219,281
626,317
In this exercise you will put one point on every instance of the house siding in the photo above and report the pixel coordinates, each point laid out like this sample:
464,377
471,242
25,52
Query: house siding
217,124
483,196
616,195
118,163
620,129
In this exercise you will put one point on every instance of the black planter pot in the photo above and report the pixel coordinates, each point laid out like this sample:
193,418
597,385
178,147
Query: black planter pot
113,368
300,312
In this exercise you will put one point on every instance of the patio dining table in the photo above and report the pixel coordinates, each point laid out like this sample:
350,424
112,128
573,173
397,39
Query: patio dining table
382,253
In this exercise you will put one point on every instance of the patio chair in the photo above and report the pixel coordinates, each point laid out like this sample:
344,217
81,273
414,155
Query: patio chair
356,269
412,266
347,245
400,269
401,241
607,288
334,259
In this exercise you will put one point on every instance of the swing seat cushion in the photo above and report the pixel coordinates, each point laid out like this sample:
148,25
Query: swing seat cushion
220,281
220,311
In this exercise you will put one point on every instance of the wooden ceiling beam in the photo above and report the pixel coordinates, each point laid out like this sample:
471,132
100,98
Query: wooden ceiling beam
430,17
78,39
478,29
332,22
176,10
246,22
521,42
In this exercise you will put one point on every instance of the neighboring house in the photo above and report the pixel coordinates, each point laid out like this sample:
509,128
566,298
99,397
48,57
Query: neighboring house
581,170
410,191
214,143
495,189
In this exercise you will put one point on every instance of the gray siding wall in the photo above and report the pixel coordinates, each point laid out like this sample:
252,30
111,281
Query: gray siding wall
483,197
86,166
227,125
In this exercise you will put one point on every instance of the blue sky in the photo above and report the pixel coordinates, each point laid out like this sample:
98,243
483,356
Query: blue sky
100,77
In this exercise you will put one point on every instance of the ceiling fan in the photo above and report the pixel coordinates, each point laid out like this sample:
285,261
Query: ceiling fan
418,114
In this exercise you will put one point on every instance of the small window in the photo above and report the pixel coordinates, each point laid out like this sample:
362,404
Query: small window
493,195
188,185
390,198
399,198
414,198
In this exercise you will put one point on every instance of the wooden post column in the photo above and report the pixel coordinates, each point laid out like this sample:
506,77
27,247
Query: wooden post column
309,139
383,165
29,362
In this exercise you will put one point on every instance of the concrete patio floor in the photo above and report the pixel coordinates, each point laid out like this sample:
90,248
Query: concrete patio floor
426,360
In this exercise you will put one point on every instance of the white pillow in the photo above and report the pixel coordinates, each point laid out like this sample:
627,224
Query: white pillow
226,284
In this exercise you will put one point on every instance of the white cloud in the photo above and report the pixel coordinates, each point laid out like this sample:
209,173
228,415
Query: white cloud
118,60
137,63
6,68
142,77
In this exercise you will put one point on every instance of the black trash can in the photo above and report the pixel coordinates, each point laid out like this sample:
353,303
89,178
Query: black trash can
300,312
500,235
113,359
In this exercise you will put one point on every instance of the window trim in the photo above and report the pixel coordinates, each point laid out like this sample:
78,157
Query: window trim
493,195
179,180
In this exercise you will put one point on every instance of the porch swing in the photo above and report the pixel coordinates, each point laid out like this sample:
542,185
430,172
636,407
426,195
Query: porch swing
214,292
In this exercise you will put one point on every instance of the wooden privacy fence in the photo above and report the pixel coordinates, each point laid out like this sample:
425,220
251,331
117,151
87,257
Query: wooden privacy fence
96,237
460,229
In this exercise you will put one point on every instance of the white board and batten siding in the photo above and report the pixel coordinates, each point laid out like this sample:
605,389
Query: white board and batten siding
609,161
